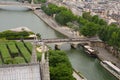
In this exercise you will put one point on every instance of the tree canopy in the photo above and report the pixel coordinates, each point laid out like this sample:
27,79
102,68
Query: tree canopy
60,67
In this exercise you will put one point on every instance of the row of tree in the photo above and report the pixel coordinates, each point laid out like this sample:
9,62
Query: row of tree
110,35
60,67
62,14
87,24
96,26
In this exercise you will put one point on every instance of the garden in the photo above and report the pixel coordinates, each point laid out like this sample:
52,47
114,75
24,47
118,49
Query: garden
13,52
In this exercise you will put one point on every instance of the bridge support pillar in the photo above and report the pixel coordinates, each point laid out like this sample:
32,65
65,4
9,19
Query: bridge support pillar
57,47
74,46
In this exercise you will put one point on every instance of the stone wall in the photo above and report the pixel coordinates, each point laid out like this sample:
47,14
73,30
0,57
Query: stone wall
97,44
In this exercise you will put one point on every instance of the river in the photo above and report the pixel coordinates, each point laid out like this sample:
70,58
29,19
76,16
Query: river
83,63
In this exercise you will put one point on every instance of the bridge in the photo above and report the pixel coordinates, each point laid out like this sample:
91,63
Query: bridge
73,41
18,4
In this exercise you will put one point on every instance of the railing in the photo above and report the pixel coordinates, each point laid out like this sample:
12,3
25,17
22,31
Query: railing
66,40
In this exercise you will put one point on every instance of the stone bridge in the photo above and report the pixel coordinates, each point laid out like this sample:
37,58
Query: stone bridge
18,4
73,41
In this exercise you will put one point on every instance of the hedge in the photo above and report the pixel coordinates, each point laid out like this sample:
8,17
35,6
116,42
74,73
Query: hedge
4,52
0,61
18,60
13,49
29,46
24,51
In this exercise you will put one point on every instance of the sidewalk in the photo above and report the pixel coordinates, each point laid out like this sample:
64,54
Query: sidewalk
105,55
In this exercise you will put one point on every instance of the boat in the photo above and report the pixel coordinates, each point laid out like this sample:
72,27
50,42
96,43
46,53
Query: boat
111,68
90,51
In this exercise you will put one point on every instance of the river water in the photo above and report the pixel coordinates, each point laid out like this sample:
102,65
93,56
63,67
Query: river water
83,63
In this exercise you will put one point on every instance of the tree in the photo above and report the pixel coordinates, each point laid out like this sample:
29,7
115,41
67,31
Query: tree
64,17
102,22
89,30
87,16
82,21
38,35
60,67
114,39
61,72
95,19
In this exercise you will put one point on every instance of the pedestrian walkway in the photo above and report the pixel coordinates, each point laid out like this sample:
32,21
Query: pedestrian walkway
105,55
34,56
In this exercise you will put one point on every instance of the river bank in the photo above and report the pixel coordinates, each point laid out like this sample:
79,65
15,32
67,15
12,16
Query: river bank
105,55
48,20
58,28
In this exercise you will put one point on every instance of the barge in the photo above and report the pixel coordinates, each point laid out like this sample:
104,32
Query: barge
111,68
90,51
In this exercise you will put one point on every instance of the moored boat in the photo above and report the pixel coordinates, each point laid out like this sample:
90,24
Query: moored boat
90,51
111,68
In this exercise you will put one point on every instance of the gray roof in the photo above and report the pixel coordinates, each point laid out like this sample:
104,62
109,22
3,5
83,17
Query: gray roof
24,72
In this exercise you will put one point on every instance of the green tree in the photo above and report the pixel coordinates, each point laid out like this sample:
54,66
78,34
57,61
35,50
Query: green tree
82,21
61,72
89,30
60,67
87,16
114,39
95,19
64,17
38,35
102,22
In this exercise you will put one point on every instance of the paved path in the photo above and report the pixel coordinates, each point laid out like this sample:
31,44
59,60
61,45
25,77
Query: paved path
34,56
48,20
105,55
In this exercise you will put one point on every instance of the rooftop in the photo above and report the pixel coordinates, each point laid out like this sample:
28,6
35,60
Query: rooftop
23,72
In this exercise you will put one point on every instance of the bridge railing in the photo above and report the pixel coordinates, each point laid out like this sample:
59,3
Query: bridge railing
64,40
